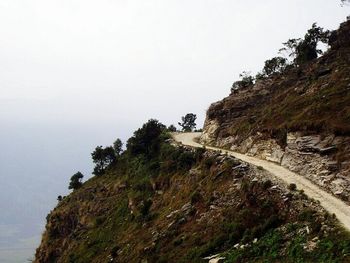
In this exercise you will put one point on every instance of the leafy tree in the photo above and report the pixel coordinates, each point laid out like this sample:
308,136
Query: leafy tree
102,157
246,80
118,147
146,140
188,122
304,50
75,181
274,65
172,128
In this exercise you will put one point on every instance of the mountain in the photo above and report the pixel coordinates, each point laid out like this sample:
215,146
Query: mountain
299,119
160,201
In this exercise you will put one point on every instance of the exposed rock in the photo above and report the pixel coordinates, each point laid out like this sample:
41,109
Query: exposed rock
209,132
215,258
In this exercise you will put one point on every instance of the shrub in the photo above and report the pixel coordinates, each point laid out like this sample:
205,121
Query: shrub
172,128
274,66
195,197
76,181
186,160
245,81
306,215
292,187
199,153
267,184
145,207
208,162
146,140
304,50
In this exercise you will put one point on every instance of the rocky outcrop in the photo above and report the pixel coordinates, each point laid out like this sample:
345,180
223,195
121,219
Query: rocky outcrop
300,119
312,156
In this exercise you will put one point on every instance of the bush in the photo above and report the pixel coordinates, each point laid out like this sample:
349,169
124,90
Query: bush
199,153
76,181
274,66
146,140
195,197
307,215
208,162
292,187
145,207
267,184
304,50
172,128
245,81
186,160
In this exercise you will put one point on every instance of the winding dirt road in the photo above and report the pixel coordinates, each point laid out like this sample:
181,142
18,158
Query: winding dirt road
332,204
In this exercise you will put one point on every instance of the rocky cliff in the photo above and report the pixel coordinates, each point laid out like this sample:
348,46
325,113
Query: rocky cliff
299,119
175,204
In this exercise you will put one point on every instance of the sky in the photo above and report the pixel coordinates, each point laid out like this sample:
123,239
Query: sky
79,73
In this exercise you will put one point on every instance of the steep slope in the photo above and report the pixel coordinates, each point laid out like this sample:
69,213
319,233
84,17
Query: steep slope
299,119
332,204
164,203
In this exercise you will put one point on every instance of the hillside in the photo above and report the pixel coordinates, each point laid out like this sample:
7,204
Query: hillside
299,119
182,205
160,201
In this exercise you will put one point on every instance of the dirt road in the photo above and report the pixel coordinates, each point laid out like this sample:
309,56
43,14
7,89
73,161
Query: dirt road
332,204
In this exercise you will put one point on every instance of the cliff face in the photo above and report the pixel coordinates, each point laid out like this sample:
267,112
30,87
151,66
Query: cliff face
300,119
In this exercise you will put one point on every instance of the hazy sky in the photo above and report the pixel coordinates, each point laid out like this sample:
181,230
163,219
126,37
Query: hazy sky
77,73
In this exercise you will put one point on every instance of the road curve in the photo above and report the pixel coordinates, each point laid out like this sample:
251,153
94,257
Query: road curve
332,204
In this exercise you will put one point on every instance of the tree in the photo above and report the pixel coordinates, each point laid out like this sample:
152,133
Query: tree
102,157
274,65
118,147
146,140
246,80
76,181
172,128
304,50
188,122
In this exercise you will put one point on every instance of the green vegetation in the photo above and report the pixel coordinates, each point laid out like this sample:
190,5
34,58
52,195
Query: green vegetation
292,187
172,128
188,122
75,182
276,65
246,80
146,140
102,157
300,50
171,204
118,147
305,50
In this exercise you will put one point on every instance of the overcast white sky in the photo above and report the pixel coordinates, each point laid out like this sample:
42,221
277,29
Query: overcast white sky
78,73
125,61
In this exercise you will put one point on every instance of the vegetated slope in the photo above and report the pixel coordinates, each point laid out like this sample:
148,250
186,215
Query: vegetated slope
161,203
299,118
